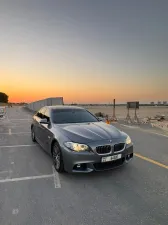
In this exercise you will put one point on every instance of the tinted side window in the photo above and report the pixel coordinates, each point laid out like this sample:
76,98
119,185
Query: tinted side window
38,114
41,112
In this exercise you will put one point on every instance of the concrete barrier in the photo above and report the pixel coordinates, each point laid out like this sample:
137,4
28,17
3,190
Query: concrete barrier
35,106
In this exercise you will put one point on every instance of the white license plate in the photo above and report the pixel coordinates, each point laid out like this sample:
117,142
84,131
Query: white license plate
111,158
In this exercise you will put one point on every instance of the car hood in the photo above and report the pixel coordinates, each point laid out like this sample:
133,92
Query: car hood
89,132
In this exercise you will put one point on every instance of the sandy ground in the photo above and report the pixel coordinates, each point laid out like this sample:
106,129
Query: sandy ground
121,111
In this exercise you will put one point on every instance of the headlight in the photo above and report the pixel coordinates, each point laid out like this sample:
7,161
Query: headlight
76,146
128,140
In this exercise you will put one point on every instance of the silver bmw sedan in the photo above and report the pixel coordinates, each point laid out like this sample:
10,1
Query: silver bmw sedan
78,141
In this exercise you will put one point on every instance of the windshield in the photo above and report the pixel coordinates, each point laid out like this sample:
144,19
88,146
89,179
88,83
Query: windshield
60,116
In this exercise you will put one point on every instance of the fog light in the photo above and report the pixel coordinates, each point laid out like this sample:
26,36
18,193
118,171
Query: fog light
81,166
128,157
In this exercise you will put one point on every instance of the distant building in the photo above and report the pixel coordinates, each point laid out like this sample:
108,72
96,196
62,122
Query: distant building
159,103
164,102
152,103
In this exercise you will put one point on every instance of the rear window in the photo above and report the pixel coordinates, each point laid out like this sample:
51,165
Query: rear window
61,116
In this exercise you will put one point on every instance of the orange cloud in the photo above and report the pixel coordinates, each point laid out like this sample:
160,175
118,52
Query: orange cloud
77,87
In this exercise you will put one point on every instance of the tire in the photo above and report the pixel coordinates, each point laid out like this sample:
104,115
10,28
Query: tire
33,135
57,158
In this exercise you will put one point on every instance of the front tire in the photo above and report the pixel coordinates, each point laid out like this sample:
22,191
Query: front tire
57,158
33,135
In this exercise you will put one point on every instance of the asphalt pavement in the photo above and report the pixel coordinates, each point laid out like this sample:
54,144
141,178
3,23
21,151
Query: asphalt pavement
32,193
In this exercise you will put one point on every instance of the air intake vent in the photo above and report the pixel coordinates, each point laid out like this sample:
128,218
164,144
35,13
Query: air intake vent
119,147
103,149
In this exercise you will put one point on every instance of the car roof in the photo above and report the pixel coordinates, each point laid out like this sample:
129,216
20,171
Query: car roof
63,107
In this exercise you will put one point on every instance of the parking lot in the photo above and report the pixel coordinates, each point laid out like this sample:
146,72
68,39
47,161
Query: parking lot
32,192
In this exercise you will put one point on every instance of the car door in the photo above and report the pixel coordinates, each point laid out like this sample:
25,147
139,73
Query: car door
36,119
39,127
46,131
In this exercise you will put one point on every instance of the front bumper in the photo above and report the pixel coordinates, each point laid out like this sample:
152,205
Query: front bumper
85,162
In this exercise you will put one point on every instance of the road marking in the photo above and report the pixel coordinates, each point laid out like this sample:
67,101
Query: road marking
15,211
151,132
133,127
147,131
5,171
57,183
151,160
22,132
10,132
26,178
163,135
16,146
20,119
14,126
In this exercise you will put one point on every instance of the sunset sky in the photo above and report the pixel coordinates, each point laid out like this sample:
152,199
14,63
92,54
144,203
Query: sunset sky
88,51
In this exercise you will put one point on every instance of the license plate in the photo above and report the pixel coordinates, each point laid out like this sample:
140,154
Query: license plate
111,158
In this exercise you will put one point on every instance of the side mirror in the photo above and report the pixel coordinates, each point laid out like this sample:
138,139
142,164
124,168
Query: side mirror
43,121
99,119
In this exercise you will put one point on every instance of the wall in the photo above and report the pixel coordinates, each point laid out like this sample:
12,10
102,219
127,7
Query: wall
35,106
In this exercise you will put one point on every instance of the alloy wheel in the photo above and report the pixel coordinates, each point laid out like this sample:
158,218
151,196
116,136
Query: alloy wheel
56,158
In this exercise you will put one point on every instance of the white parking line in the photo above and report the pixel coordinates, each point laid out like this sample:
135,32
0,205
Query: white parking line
10,132
5,171
151,132
133,127
14,125
15,211
26,178
22,119
147,131
16,146
57,183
